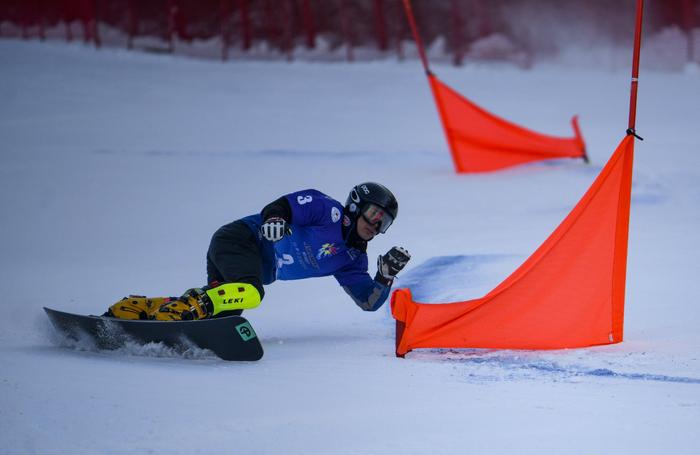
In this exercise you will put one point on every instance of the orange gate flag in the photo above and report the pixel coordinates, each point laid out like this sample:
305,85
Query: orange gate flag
570,293
481,142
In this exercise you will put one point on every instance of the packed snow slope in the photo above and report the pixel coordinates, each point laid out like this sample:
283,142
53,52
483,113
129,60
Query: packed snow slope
117,167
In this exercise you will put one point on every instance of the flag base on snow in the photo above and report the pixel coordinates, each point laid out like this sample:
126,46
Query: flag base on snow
569,293
230,338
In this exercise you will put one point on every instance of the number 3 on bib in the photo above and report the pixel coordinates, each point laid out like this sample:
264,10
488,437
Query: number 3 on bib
301,200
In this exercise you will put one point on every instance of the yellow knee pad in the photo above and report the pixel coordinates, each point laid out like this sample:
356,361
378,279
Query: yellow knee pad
233,296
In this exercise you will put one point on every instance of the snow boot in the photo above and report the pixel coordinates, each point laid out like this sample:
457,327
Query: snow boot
137,307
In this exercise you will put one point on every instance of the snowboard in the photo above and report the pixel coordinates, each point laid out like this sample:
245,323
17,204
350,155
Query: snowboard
230,337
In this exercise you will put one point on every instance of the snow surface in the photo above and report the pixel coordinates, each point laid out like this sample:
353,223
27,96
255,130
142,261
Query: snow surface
117,167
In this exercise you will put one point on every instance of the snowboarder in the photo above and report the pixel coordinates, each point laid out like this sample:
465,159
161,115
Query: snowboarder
300,235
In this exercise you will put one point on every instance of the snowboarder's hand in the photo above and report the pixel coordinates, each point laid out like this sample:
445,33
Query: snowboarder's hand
392,263
273,229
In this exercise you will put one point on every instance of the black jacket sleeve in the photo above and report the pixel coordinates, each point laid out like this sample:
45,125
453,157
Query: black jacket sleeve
279,208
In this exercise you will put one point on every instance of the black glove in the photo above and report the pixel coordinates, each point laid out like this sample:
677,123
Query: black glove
273,229
390,264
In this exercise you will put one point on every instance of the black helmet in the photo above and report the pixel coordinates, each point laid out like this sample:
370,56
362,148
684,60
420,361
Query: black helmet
373,201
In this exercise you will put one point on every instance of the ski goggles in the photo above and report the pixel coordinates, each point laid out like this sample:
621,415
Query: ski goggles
374,214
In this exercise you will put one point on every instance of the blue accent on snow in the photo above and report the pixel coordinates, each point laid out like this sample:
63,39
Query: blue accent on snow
455,278
510,366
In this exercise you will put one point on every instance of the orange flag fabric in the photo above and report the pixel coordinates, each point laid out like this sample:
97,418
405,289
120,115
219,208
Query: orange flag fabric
481,142
570,293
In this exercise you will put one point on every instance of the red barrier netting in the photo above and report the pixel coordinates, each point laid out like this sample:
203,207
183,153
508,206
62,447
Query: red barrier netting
569,293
